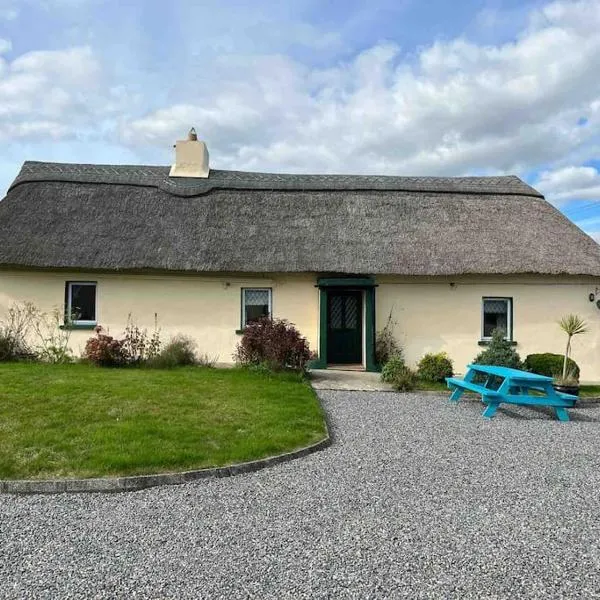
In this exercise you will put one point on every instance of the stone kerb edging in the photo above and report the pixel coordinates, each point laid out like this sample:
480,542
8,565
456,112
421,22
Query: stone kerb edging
140,482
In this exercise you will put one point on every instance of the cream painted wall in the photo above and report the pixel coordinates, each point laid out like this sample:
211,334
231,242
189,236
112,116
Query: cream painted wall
432,316
206,308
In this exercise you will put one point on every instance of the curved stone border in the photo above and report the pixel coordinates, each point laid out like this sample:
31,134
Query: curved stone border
140,482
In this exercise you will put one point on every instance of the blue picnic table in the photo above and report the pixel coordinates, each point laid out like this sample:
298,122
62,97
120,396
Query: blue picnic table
511,386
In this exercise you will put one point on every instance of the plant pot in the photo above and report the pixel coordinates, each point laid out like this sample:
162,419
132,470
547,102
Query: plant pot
573,390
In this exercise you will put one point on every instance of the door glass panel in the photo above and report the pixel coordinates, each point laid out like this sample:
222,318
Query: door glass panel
351,312
336,312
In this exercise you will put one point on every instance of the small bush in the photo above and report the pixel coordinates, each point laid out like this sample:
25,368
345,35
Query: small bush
500,352
53,341
435,367
550,364
394,366
180,351
137,345
207,360
14,330
386,344
405,380
105,351
274,342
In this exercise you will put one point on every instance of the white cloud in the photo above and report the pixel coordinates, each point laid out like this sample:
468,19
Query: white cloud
569,183
50,94
5,46
453,107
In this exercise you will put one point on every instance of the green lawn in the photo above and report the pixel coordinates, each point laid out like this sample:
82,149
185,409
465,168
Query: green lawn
431,386
589,391
84,421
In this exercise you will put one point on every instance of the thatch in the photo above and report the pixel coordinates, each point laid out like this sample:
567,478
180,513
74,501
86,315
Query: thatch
89,217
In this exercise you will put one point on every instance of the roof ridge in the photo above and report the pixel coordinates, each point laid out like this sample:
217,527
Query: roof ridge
157,176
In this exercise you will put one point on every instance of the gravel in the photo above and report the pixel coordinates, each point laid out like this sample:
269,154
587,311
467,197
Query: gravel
416,498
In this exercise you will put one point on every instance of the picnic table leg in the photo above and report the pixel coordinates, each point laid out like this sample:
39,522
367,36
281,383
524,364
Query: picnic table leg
490,409
458,391
561,413
456,394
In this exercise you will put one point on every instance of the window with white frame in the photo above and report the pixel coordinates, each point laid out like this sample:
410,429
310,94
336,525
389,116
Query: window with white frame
496,314
256,303
81,302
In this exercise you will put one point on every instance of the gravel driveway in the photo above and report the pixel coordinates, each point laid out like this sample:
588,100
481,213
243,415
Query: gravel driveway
416,498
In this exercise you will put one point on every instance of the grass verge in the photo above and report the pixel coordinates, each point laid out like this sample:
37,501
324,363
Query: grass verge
589,391
83,421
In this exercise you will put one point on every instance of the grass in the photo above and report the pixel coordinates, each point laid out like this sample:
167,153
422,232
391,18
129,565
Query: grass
431,386
589,391
84,421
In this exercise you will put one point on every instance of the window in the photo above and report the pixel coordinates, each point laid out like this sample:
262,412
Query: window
497,313
81,302
256,303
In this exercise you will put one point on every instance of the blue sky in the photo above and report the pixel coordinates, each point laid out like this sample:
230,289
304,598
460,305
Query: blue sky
390,86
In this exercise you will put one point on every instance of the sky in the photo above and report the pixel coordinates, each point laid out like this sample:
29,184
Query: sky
396,87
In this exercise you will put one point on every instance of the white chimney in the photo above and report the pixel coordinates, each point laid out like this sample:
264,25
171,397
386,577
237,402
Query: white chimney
191,157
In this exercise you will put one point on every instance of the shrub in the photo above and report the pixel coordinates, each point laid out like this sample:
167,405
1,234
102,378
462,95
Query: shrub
274,342
14,330
104,350
394,366
550,364
53,341
386,345
137,345
435,367
180,351
207,360
500,352
405,380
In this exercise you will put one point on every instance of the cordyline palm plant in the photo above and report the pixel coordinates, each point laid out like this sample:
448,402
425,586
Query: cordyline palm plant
571,325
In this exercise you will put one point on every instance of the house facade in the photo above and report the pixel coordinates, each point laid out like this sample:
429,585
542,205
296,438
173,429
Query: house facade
443,260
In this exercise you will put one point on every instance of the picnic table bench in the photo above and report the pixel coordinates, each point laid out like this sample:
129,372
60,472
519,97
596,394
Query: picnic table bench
516,387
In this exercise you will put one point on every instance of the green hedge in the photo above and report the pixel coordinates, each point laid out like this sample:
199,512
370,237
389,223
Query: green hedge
549,364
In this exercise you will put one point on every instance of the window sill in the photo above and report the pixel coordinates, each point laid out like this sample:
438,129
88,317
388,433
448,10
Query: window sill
488,342
75,327
239,331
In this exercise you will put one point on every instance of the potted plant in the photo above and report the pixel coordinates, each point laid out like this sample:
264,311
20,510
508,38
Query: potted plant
567,382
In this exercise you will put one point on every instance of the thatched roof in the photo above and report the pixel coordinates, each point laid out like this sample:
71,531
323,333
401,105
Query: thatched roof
105,217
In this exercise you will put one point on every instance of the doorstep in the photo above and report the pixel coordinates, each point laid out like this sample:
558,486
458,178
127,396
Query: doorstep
348,380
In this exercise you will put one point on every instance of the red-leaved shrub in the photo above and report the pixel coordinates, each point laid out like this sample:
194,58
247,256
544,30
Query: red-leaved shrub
275,343
104,350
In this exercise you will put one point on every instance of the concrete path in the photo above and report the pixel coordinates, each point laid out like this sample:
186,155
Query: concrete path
360,381
415,499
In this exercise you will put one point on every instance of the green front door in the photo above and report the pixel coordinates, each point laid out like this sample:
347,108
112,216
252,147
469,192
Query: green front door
344,327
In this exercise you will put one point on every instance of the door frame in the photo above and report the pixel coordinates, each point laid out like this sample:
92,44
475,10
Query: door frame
358,337
367,286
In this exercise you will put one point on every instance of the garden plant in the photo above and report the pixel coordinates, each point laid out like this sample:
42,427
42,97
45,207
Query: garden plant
572,325
274,344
